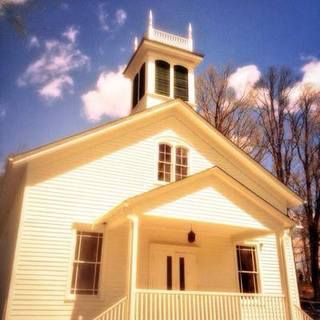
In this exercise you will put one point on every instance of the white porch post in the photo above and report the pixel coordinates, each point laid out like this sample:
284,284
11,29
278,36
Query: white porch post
133,262
288,270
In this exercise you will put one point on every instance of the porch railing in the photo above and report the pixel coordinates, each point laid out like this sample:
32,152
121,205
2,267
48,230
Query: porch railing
190,305
171,39
300,314
118,311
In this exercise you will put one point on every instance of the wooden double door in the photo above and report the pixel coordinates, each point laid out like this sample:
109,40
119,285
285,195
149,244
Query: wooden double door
172,267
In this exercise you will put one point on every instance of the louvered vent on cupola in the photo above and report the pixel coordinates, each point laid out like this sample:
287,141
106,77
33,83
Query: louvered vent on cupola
162,77
181,83
139,85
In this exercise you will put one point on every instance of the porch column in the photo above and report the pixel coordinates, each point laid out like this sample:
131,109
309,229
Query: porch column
133,262
287,265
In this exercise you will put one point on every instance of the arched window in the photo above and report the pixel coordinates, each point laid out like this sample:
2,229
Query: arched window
181,168
181,83
164,162
162,77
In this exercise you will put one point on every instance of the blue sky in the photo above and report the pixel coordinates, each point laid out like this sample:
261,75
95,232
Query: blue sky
64,74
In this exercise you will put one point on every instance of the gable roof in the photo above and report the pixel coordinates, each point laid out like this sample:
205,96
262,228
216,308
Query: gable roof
173,107
143,202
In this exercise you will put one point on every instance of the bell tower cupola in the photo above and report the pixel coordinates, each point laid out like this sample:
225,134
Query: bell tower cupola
162,68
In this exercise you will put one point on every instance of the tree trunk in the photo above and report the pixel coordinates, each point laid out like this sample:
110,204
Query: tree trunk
314,257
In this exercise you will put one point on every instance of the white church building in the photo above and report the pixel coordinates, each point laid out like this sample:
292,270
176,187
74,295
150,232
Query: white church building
155,216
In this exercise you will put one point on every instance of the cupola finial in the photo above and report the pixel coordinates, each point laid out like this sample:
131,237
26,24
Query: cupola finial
190,40
135,43
150,25
190,31
150,19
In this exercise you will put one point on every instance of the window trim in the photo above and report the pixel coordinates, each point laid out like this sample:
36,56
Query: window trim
174,143
257,246
101,288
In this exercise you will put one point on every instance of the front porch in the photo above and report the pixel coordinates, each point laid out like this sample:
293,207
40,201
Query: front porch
171,278
238,267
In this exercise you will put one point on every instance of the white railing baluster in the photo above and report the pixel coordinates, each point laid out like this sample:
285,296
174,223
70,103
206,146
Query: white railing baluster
170,39
115,312
300,314
187,305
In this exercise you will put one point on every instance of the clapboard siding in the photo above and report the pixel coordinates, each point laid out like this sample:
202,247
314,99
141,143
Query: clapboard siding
8,237
83,182
66,190
208,205
269,265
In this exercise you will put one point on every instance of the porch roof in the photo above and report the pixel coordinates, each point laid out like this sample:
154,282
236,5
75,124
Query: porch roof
156,197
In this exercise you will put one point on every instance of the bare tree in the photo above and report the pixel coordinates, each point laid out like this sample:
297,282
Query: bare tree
272,100
229,114
305,123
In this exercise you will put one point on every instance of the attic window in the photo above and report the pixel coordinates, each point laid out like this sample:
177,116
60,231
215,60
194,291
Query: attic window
181,83
86,264
172,168
164,163
162,77
181,163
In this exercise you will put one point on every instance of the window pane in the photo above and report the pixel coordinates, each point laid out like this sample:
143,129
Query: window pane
89,246
247,259
249,282
85,275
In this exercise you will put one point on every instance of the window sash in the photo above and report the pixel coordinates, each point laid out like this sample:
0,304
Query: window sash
164,162
181,165
247,270
86,269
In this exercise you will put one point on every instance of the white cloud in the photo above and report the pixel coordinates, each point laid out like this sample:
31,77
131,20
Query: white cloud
311,74
51,73
13,2
121,17
110,23
71,34
310,80
34,42
243,79
103,17
64,6
110,98
54,89
3,112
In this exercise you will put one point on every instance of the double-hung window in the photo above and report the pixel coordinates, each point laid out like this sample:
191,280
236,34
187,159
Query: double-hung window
172,168
86,264
247,269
